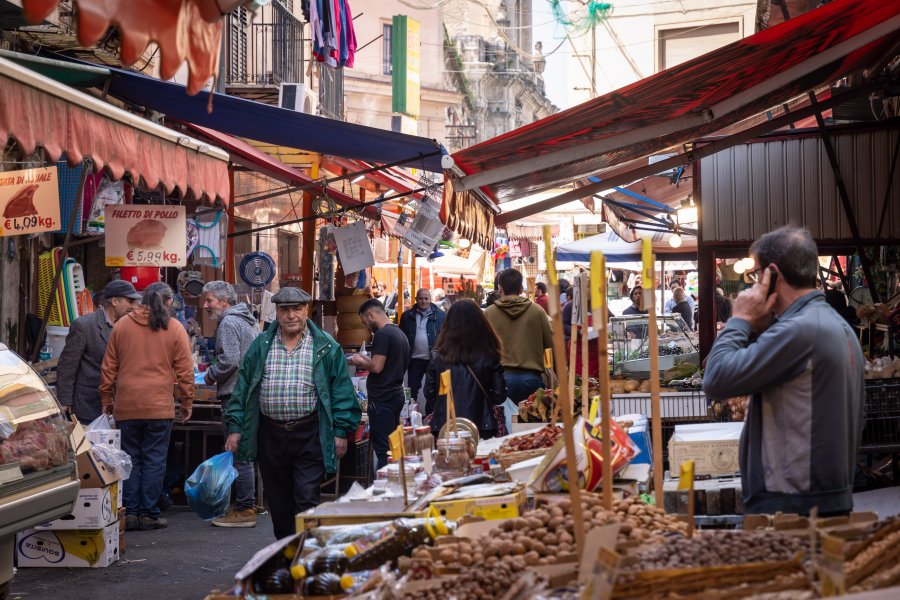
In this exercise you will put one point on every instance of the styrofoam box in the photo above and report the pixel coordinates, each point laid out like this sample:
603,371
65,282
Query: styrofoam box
94,509
106,437
70,548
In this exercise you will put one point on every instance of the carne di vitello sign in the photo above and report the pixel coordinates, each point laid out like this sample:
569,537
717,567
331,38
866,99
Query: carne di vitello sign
29,200
145,236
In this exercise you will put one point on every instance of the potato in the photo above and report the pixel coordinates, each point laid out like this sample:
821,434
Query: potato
645,386
632,385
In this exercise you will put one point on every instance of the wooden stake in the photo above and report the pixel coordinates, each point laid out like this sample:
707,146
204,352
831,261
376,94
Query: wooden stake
559,349
598,303
400,284
583,285
649,281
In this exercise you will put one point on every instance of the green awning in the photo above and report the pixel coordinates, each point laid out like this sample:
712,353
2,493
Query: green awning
71,74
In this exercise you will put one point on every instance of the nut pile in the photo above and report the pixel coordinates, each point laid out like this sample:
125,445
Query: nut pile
542,535
875,559
476,583
715,548
544,437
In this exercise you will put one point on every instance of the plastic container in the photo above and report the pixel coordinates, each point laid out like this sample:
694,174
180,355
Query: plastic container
56,338
424,440
140,277
409,441
389,543
395,484
471,448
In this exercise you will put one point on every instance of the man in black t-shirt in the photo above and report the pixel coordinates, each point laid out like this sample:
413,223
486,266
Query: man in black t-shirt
386,367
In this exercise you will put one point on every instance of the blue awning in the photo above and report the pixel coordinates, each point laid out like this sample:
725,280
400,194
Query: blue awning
266,123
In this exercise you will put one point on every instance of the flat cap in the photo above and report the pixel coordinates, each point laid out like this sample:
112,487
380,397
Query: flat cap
291,295
119,288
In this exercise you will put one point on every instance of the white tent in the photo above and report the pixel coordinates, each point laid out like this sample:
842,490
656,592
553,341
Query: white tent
616,250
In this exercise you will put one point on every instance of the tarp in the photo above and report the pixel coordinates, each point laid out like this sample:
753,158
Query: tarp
279,126
686,102
38,111
184,30
246,155
617,250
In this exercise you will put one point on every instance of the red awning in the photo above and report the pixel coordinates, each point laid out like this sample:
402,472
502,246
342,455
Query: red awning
684,103
38,111
246,155
188,30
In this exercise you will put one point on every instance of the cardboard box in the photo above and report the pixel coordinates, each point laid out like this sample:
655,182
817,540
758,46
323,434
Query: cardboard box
353,513
506,506
712,446
92,472
94,509
74,548
121,523
106,437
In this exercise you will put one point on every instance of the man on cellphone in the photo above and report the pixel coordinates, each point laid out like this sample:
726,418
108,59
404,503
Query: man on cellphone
803,367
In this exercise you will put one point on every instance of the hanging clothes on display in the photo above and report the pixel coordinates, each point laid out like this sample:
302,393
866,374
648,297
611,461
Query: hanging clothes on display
334,38
213,232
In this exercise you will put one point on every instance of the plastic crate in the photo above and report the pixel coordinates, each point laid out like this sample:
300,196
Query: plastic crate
882,430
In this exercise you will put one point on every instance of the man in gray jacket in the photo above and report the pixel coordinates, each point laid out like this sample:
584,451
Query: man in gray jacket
78,369
804,372
236,329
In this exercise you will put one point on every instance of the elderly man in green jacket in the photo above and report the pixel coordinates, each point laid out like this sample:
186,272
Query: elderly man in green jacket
292,409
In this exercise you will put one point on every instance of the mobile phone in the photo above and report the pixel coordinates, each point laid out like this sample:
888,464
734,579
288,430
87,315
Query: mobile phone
773,278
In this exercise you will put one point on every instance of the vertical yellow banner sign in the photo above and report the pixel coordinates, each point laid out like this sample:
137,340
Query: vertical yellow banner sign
598,275
648,276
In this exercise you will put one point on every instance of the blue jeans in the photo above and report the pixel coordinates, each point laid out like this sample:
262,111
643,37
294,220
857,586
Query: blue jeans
146,441
521,384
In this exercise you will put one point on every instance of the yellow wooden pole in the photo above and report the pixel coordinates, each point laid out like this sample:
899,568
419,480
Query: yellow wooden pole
598,304
585,401
649,281
559,350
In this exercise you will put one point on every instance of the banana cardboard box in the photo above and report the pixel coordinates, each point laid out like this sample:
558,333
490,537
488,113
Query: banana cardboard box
71,548
95,508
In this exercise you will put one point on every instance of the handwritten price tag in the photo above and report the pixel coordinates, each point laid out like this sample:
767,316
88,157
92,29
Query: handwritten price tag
22,225
152,257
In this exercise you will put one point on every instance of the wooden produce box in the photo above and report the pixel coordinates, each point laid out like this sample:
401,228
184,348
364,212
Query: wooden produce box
353,513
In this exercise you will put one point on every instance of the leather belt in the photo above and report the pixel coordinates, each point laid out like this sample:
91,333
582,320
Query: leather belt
295,424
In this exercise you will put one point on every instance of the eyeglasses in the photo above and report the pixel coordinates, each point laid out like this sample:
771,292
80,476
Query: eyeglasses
755,275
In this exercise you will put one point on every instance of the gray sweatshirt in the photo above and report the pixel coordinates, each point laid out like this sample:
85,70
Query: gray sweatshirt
806,414
236,330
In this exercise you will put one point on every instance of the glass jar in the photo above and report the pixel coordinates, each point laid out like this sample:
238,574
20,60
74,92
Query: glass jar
451,459
395,484
424,440
470,443
409,441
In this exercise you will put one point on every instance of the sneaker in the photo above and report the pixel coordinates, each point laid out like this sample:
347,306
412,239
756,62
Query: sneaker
237,518
132,523
148,523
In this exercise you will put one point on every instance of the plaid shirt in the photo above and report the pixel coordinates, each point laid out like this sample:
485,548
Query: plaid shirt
287,390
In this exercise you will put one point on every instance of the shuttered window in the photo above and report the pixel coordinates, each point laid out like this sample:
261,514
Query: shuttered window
680,45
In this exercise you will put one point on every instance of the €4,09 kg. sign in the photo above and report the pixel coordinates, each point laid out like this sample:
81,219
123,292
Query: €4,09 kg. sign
29,200
145,236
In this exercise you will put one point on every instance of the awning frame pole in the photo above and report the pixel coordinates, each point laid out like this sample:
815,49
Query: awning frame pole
845,199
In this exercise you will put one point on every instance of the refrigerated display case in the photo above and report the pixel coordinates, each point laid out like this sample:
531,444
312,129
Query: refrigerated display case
38,480
629,337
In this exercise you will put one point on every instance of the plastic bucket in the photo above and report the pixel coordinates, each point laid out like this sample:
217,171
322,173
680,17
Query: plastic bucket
140,277
56,338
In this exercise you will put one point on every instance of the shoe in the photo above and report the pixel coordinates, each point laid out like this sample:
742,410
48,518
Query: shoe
132,523
165,502
148,523
237,518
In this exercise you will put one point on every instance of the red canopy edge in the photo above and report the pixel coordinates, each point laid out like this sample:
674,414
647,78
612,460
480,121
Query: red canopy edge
185,30
244,154
38,111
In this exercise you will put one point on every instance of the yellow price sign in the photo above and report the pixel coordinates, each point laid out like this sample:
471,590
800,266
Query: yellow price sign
396,442
648,276
598,275
444,383
686,477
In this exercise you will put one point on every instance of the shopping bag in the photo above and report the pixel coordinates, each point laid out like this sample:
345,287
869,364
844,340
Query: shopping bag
208,489
509,411
104,422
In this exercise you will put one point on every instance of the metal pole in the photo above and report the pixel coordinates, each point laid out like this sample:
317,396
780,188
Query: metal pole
79,197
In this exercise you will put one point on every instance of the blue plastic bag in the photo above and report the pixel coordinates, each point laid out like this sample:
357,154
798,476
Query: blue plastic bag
208,489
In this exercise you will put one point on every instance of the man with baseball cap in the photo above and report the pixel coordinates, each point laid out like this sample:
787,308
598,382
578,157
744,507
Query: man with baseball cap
292,409
78,370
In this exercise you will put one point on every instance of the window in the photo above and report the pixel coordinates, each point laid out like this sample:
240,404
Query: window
680,45
387,66
238,22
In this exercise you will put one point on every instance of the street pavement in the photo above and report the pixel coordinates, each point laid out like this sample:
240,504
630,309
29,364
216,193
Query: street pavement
186,561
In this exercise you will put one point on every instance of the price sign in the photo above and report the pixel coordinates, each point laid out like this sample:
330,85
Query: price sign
29,200
145,236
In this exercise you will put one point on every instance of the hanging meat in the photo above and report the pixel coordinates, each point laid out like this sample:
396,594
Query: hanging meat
22,203
147,233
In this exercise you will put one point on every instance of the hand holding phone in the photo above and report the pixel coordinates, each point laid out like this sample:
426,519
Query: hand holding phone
773,279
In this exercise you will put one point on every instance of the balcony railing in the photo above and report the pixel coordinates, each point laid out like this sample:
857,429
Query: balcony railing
267,53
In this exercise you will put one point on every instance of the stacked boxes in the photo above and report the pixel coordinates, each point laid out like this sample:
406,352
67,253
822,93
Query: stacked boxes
89,536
